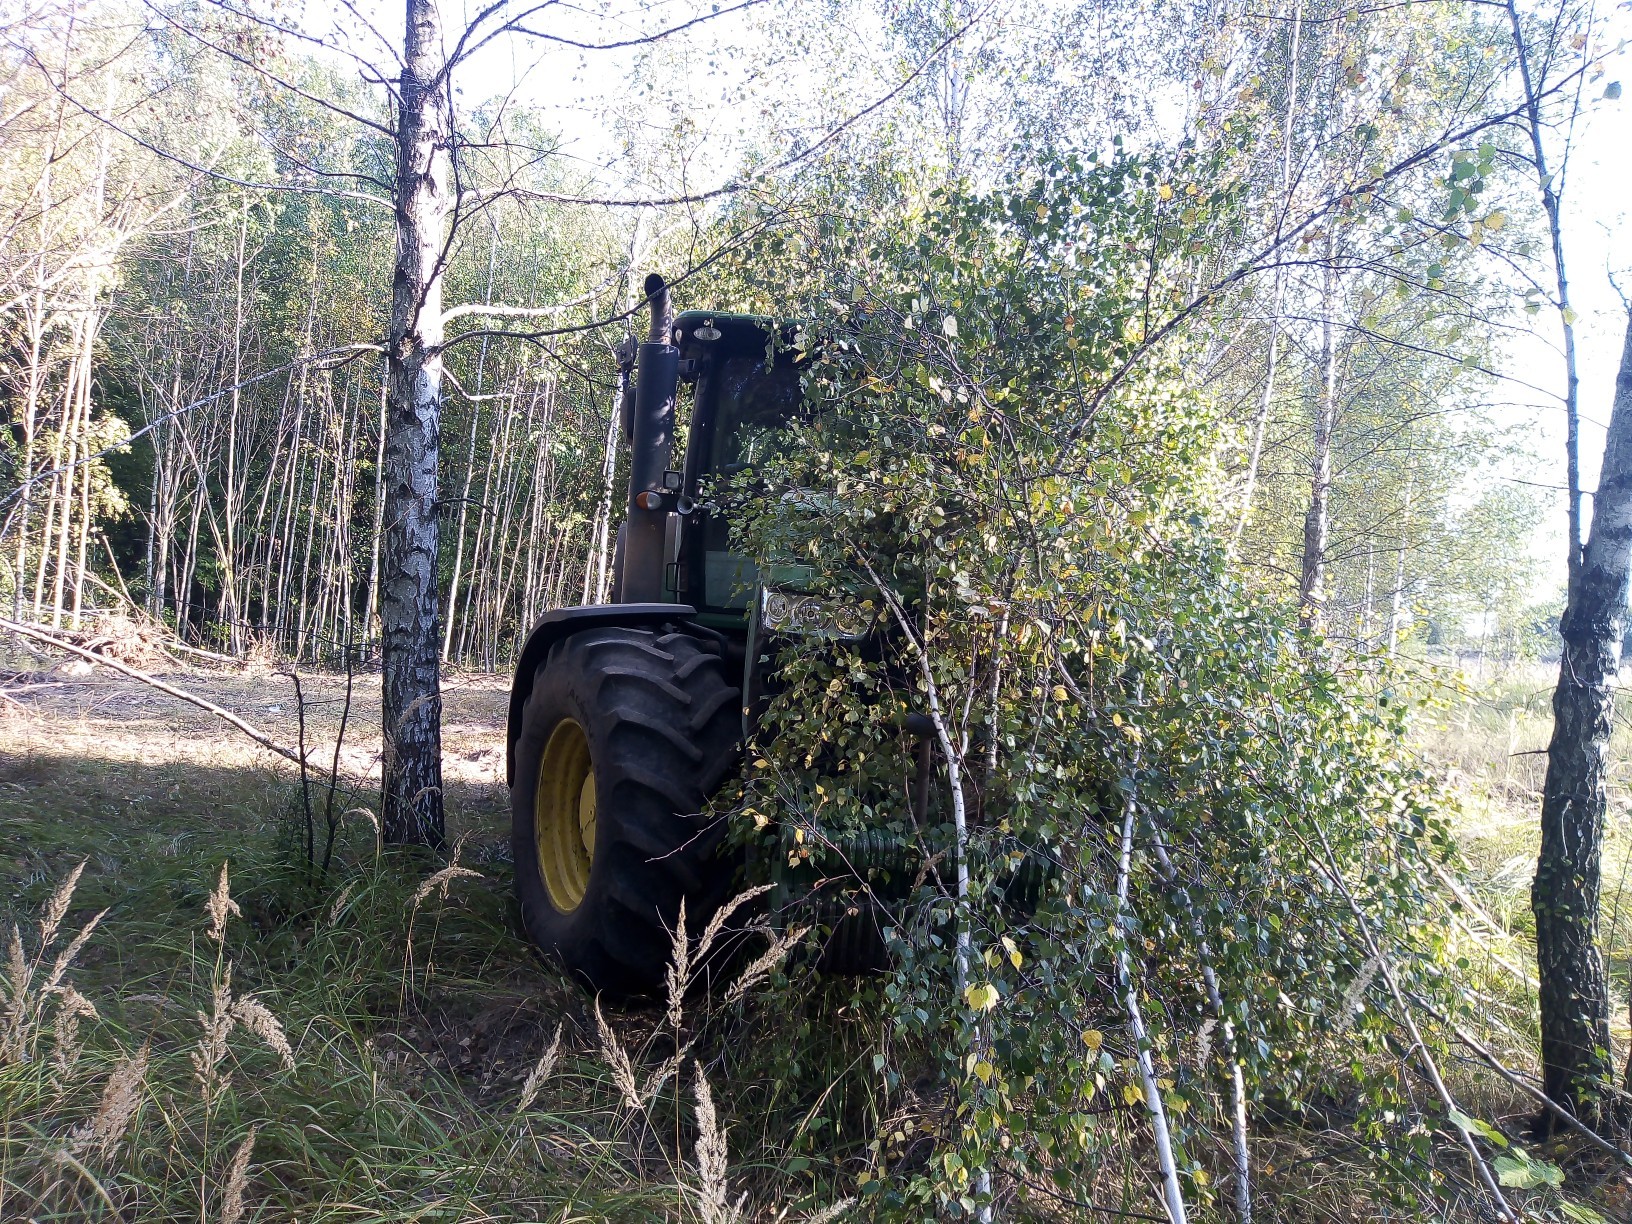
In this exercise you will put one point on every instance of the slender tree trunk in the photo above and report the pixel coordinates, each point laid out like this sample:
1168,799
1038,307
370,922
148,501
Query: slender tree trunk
479,550
1317,523
1396,599
1574,995
35,324
598,563
470,461
1266,404
189,564
1550,188
71,433
228,609
87,357
379,509
411,698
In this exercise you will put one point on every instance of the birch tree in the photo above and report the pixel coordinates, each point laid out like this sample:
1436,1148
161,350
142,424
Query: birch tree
412,735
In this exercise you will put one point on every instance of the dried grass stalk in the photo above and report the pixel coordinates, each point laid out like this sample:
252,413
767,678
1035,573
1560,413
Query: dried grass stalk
617,1061
443,878
220,907
540,1072
760,967
216,1026
66,958
678,975
655,1081
723,915
258,1019
57,907
72,1007
14,1037
25,1002
120,1099
713,1192
830,1213
339,905
232,1195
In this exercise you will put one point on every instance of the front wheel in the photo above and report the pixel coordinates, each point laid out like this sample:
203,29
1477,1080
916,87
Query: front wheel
626,734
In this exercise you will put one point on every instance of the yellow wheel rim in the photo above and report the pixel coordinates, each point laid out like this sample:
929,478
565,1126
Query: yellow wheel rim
564,815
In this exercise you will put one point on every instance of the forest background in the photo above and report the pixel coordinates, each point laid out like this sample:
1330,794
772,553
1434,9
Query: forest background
1318,230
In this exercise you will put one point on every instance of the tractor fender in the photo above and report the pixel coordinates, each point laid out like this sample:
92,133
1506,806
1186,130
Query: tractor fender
559,623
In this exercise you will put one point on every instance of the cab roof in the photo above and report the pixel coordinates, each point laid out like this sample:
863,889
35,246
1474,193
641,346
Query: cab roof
697,333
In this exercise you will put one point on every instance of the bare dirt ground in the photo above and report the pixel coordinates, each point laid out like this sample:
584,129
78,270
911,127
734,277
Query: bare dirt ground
96,764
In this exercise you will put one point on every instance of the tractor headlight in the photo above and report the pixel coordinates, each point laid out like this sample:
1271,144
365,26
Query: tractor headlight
789,612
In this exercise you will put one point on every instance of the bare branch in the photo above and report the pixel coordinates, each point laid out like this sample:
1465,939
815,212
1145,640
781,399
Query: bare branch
254,733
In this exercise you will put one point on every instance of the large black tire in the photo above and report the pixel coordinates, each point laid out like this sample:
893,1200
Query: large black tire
662,724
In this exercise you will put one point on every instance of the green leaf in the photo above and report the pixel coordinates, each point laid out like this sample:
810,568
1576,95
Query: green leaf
1523,1173
1582,1215
1469,1123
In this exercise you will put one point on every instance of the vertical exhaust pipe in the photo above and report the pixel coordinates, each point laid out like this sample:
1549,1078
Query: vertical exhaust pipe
657,297
651,451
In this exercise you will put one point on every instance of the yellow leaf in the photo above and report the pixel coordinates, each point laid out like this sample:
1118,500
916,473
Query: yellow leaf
1165,192
982,996
1093,1039
1059,692
983,1071
1495,221
1132,1094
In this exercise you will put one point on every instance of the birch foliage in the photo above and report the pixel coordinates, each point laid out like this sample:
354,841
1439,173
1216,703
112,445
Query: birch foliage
1053,532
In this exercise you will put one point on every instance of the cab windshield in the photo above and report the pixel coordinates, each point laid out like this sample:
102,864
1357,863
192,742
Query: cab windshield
753,406
752,409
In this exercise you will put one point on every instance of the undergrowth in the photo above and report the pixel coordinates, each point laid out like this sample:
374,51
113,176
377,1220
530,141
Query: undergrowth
377,1044
375,1047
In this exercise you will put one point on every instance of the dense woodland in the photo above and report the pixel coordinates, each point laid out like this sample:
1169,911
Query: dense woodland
1167,350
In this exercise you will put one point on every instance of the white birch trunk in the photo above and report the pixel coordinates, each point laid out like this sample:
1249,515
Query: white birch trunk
411,698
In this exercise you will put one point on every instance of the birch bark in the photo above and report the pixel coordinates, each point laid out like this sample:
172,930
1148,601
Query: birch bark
411,697
1574,993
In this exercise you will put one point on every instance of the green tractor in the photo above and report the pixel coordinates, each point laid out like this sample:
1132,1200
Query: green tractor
625,718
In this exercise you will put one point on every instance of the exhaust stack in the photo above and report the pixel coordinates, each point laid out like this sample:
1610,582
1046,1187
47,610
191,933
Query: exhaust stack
651,451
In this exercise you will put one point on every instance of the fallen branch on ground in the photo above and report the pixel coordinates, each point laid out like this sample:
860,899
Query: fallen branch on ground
254,733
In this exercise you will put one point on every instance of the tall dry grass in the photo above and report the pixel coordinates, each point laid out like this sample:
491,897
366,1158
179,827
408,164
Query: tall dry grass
219,1109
